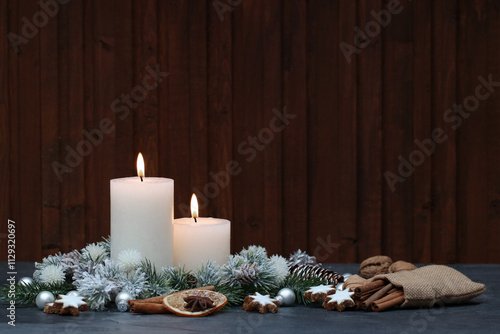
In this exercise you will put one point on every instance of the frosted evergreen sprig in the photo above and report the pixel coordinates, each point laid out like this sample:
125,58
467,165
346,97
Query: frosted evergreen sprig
98,290
101,286
158,281
254,254
178,278
106,244
95,253
208,274
280,265
26,293
52,274
251,269
137,285
51,260
99,279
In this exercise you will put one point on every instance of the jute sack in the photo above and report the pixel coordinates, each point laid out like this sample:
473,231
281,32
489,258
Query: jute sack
433,284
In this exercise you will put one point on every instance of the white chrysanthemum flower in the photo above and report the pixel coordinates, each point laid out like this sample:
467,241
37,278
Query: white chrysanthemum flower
95,252
52,274
129,260
279,263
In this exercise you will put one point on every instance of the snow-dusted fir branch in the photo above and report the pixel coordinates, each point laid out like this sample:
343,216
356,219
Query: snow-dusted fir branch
99,279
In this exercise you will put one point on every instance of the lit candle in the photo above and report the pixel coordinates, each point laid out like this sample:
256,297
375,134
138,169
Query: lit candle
141,216
197,240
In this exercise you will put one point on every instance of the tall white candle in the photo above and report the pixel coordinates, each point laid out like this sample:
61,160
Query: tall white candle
197,242
141,217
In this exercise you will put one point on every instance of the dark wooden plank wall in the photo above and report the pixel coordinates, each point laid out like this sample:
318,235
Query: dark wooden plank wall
319,184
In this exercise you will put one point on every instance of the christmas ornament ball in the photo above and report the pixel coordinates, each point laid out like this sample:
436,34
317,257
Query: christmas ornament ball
25,281
43,298
73,293
121,301
346,276
286,297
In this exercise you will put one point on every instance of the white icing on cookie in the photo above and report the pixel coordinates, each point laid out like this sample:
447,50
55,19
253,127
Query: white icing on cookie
321,289
263,300
71,301
341,296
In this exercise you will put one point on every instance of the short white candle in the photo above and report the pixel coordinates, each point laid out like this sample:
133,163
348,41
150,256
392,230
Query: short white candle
141,217
197,242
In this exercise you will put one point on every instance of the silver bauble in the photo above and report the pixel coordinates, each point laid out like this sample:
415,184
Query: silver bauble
121,301
286,297
339,286
122,306
74,293
43,298
346,276
25,281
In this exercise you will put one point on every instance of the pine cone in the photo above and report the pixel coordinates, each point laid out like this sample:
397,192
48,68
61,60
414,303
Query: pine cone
192,281
308,271
247,273
300,258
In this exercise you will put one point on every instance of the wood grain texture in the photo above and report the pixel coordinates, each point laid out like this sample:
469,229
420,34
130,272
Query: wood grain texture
271,100
397,130
49,108
28,193
124,82
347,121
422,129
72,124
248,120
472,135
492,127
294,154
323,131
14,209
444,161
4,130
198,88
315,180
220,111
177,117
369,132
14,204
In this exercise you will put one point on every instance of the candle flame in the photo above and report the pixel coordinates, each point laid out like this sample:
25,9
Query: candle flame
194,206
140,166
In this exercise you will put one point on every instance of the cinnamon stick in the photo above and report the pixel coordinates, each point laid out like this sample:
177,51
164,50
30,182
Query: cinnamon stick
377,295
394,299
369,287
159,299
148,308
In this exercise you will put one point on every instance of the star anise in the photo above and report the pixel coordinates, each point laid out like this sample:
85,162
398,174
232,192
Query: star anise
197,303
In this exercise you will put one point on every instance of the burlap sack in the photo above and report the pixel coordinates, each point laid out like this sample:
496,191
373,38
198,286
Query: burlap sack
434,284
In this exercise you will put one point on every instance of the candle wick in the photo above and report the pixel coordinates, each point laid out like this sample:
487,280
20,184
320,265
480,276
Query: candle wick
195,219
141,178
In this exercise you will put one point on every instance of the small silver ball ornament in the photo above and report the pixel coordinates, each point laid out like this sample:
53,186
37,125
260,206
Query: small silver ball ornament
339,286
121,301
74,293
43,298
346,276
25,281
286,297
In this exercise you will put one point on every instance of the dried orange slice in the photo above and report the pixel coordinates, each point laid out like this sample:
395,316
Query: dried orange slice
176,303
